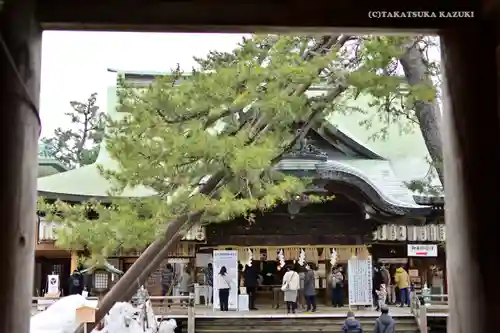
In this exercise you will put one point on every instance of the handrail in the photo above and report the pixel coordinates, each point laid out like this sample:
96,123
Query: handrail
418,307
418,311
39,298
190,305
94,298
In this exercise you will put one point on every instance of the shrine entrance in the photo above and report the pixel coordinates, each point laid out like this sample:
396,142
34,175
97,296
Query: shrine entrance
266,262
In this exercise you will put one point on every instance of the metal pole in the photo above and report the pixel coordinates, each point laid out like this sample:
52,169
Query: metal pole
191,314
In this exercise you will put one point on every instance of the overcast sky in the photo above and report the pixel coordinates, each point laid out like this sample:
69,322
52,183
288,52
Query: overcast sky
74,64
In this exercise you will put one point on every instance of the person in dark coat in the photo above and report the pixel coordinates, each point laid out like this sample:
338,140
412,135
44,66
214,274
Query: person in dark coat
251,279
385,323
75,283
377,281
351,324
167,282
310,288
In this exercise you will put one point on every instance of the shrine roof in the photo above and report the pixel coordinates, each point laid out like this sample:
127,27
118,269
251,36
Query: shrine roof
48,165
384,165
87,182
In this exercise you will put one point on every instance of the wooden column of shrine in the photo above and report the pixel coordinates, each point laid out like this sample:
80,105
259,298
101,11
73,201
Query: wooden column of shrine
20,58
471,137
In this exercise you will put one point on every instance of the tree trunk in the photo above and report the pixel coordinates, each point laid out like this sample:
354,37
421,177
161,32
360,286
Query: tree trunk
151,258
147,262
428,113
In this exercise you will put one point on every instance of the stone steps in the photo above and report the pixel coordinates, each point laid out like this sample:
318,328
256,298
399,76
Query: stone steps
291,324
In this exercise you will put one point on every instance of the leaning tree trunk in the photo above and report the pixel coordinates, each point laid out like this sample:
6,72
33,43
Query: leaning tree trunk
149,260
427,113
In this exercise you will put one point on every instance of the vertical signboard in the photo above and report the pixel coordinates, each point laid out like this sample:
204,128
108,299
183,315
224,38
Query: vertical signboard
53,284
360,273
228,259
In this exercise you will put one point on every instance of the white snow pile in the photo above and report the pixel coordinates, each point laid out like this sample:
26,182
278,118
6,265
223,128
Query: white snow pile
60,317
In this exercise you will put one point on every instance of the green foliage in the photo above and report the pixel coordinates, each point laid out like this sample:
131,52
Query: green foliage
427,185
234,116
231,118
378,74
79,145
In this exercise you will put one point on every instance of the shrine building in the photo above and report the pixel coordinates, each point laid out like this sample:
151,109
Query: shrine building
373,210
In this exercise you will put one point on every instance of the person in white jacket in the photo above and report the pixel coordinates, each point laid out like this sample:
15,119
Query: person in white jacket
290,287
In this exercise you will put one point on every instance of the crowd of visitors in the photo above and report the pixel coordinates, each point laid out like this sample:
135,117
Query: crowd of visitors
298,286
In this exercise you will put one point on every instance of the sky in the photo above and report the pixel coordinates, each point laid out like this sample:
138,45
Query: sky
74,64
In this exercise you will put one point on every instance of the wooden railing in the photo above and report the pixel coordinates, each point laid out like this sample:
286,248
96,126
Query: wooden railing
186,303
421,305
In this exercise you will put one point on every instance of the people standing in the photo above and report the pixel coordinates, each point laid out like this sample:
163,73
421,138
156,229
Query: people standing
386,279
351,324
167,282
251,279
185,285
402,280
223,285
377,281
337,281
290,287
301,298
310,288
382,296
75,283
385,323
209,284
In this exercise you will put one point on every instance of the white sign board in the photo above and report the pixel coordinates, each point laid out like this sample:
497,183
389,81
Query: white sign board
203,259
422,250
360,273
392,261
52,284
228,259
178,260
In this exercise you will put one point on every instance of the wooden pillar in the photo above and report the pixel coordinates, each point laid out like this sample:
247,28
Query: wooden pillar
327,297
471,137
20,52
74,261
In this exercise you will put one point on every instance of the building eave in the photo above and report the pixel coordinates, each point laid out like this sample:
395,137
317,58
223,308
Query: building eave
434,200
342,173
325,128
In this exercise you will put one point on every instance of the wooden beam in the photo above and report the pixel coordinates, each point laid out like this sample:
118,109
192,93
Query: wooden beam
74,261
244,16
471,131
20,58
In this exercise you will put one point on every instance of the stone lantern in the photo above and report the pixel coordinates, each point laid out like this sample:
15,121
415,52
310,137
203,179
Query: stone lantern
101,277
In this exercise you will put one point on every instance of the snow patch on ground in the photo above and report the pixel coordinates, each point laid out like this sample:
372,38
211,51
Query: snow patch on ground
60,317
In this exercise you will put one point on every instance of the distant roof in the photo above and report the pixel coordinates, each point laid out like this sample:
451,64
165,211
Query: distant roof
47,164
406,155
106,266
143,73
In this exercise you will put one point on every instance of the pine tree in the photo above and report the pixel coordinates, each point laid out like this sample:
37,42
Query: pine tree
78,145
207,142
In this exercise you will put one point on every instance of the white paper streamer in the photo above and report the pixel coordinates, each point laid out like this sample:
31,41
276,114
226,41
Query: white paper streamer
250,258
333,258
302,257
281,258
